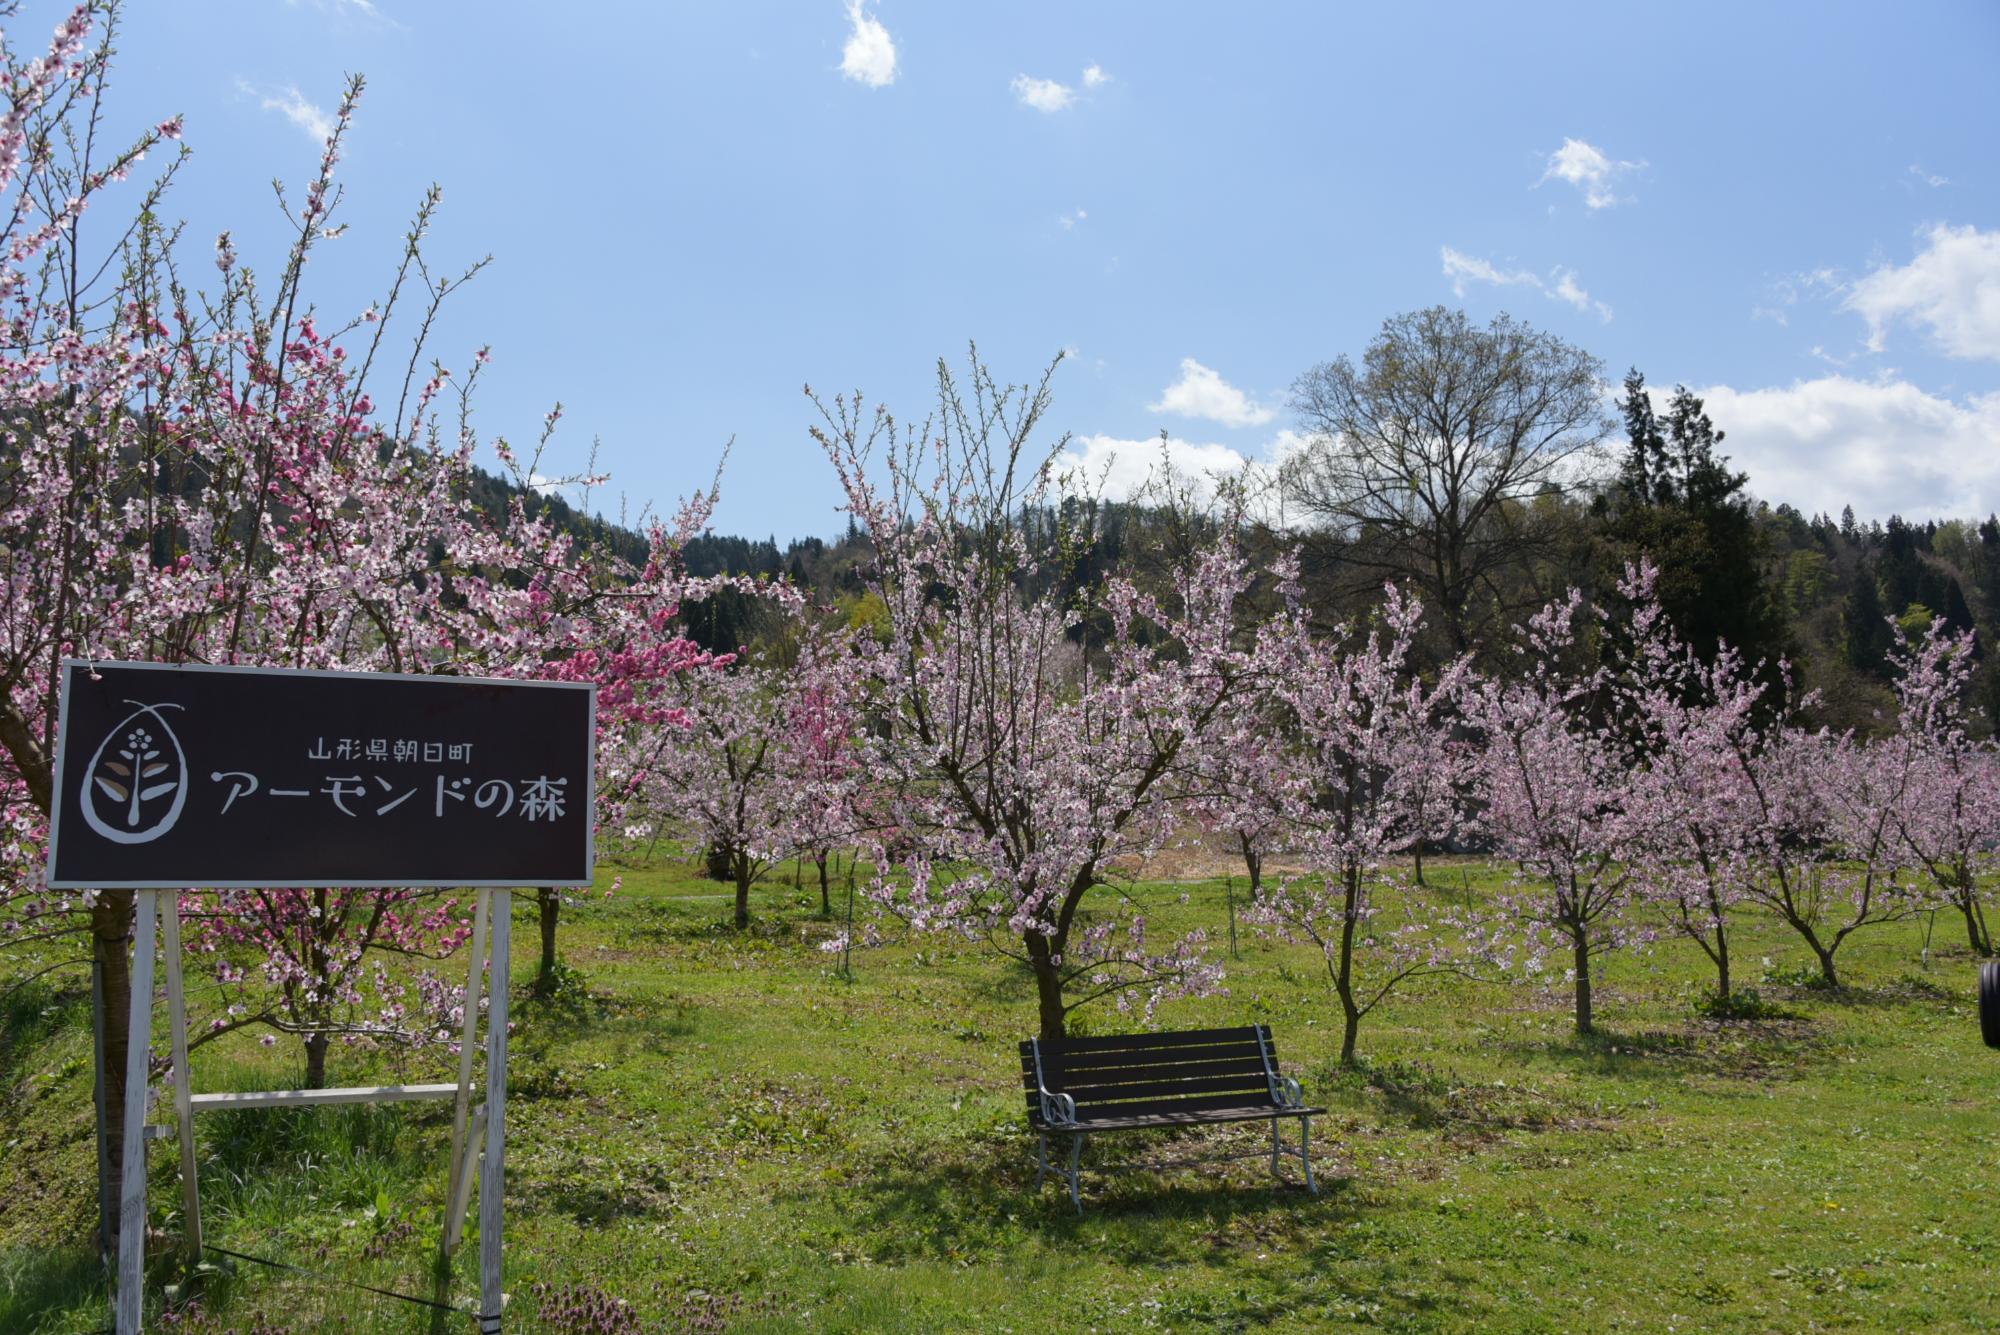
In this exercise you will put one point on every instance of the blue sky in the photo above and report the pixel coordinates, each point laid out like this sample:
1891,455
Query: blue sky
695,209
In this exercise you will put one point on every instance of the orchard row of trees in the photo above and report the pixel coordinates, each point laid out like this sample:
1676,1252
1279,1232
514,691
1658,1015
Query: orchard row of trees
1008,745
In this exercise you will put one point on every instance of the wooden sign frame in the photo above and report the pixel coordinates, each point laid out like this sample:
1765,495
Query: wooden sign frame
478,1134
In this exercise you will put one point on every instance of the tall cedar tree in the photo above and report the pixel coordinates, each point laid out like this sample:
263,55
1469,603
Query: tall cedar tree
1677,504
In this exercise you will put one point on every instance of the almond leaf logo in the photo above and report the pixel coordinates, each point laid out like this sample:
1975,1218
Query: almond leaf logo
138,766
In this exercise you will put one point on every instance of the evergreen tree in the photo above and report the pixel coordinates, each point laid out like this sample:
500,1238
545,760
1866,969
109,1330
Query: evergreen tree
1678,503
1865,625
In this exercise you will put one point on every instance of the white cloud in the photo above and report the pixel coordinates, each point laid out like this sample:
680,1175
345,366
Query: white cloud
1200,392
1121,468
870,54
290,103
365,8
1071,219
1569,290
1590,170
1883,446
1931,179
1462,269
1952,288
1562,284
1095,77
1044,95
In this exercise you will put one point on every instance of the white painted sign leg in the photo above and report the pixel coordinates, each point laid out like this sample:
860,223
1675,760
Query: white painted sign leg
492,1176
463,1197
183,1078
455,1192
132,1177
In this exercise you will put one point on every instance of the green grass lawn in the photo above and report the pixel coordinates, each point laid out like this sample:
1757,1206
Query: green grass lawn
714,1131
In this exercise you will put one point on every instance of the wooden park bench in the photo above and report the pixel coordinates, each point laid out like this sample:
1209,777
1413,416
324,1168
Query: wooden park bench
1083,1086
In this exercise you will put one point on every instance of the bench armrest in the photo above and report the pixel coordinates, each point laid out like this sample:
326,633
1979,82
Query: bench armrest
1058,1109
1286,1091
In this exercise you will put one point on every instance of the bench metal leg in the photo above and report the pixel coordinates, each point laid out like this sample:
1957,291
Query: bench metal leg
1303,1153
1041,1159
1075,1157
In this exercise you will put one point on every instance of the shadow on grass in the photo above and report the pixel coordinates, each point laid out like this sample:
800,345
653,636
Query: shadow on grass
968,1199
1768,1049
1429,1098
1900,991
43,1284
973,1203
34,1013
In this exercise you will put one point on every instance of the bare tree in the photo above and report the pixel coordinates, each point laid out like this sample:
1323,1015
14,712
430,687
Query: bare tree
1424,463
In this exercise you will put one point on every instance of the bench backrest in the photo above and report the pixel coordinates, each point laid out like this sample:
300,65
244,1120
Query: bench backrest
1138,1075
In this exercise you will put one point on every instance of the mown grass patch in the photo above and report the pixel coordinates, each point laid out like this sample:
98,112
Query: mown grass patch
713,1130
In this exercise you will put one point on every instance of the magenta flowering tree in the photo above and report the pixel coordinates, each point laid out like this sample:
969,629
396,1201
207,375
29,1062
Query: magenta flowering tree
626,631
1371,745
1553,781
1026,737
210,477
1693,722
1948,820
819,760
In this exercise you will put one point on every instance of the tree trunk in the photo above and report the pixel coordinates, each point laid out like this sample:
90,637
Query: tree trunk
316,1045
1042,954
549,900
825,892
1826,963
1721,942
1976,934
742,892
1343,974
1582,944
1253,862
110,934
1048,995
1417,855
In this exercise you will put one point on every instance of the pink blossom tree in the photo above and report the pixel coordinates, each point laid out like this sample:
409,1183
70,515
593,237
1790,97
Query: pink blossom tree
1553,782
1370,742
1027,736
721,776
1824,856
1949,817
1235,789
1694,722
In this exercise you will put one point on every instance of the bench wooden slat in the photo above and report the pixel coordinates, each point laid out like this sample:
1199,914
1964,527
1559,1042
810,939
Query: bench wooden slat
1102,1096
1104,1061
1113,1075
1198,1104
1263,1113
1179,1038
1127,1075
1194,1110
